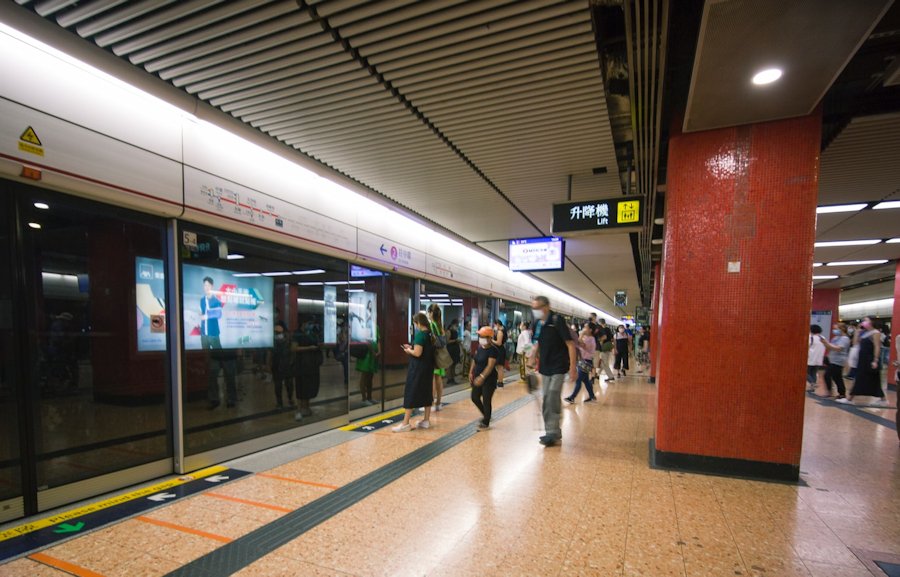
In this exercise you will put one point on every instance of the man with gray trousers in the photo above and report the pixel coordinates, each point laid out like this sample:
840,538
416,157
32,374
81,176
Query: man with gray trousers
556,354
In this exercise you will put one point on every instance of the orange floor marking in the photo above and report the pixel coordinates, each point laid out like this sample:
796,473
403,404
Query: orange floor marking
288,479
247,502
184,529
64,565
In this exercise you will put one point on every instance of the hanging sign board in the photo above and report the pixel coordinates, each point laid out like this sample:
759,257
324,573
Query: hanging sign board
620,214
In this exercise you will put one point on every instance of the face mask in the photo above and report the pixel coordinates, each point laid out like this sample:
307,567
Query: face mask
484,342
836,332
538,314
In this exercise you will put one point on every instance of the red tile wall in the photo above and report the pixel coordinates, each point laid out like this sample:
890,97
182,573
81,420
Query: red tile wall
733,345
895,329
827,300
654,320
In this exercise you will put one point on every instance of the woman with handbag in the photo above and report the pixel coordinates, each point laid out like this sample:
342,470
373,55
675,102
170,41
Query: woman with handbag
417,392
483,375
437,331
586,345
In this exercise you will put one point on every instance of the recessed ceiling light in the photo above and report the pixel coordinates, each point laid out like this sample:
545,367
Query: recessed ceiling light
41,205
825,277
659,221
313,271
234,257
656,241
857,262
34,225
847,243
840,208
888,204
767,76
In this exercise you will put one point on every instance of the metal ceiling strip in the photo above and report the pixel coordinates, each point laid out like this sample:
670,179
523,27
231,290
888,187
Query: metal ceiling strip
490,98
547,74
332,106
411,18
273,33
180,10
513,148
270,69
130,12
339,74
331,86
359,116
183,26
356,12
499,34
518,58
350,144
308,63
458,30
228,28
506,124
376,105
48,7
85,11
411,153
356,88
380,123
464,54
562,97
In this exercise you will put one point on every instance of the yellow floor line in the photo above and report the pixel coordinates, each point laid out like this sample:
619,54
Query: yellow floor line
357,424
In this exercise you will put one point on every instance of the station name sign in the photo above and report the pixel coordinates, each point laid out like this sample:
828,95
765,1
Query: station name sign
621,214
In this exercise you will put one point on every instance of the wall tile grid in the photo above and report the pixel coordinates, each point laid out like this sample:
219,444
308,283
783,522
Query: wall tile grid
732,344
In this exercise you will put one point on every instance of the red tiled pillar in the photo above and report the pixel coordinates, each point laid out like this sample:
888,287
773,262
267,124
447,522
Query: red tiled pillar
654,322
827,300
895,330
737,267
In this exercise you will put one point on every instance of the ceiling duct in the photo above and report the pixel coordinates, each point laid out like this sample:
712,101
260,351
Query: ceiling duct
646,27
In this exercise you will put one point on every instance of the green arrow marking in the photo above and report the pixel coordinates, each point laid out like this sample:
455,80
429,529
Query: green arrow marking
66,528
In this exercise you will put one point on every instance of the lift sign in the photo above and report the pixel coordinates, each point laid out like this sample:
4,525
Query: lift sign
621,214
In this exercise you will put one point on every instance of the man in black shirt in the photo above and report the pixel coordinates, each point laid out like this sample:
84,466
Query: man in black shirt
556,354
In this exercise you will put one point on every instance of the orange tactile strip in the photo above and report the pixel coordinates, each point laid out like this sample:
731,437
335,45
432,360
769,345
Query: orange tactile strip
63,565
184,529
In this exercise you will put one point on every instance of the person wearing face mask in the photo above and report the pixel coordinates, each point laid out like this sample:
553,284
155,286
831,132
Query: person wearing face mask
815,357
418,389
524,348
499,341
853,355
868,369
838,349
556,359
282,375
483,375
621,351
586,346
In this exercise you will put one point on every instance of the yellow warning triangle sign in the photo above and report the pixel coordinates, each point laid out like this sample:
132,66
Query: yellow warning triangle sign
30,136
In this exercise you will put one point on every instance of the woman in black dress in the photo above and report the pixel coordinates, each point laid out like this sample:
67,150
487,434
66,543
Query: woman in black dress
621,352
868,367
419,376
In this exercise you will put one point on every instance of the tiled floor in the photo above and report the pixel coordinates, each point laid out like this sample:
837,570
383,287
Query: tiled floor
501,504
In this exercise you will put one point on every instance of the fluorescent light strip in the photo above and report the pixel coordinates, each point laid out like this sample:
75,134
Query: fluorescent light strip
888,204
245,274
235,257
856,262
815,264
280,273
335,282
825,277
841,208
42,205
310,283
831,243
313,271
355,290
893,241
356,282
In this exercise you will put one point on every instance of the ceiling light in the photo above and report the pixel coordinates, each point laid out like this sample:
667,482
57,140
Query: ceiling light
815,264
279,273
841,208
335,282
767,76
825,277
355,290
659,221
439,295
357,282
893,241
857,262
309,283
879,206
847,243
41,205
235,257
313,271
34,225
656,241
245,274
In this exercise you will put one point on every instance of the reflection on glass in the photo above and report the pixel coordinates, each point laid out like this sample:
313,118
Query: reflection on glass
10,456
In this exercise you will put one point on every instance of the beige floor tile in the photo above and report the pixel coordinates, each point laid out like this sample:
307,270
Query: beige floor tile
29,568
826,570
275,566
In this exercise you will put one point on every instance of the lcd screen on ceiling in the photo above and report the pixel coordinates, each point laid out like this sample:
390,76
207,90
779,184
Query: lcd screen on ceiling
537,254
225,311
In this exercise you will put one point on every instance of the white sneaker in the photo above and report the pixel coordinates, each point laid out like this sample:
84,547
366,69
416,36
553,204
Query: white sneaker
423,424
436,408
401,428
844,401
882,402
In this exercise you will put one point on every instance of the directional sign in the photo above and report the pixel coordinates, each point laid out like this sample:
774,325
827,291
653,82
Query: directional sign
67,528
620,214
162,497
216,479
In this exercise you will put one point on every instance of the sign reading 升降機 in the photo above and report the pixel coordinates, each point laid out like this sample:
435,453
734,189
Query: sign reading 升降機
621,214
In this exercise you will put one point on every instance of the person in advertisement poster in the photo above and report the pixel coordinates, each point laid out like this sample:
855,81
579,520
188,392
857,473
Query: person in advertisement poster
308,358
210,339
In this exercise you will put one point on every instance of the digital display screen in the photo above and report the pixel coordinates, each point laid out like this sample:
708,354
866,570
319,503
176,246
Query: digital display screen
537,254
363,272
227,310
150,294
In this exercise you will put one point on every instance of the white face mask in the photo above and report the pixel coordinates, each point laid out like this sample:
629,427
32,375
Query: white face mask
538,314
484,342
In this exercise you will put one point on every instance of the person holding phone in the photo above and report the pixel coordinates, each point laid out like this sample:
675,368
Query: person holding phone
418,390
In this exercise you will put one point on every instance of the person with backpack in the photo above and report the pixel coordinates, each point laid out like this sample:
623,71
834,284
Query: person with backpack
436,328
556,359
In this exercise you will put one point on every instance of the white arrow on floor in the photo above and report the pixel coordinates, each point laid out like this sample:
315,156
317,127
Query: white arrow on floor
162,497
368,428
217,478
388,421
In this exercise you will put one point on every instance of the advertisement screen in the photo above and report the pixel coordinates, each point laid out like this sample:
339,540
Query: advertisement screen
330,298
150,291
223,309
363,316
536,254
